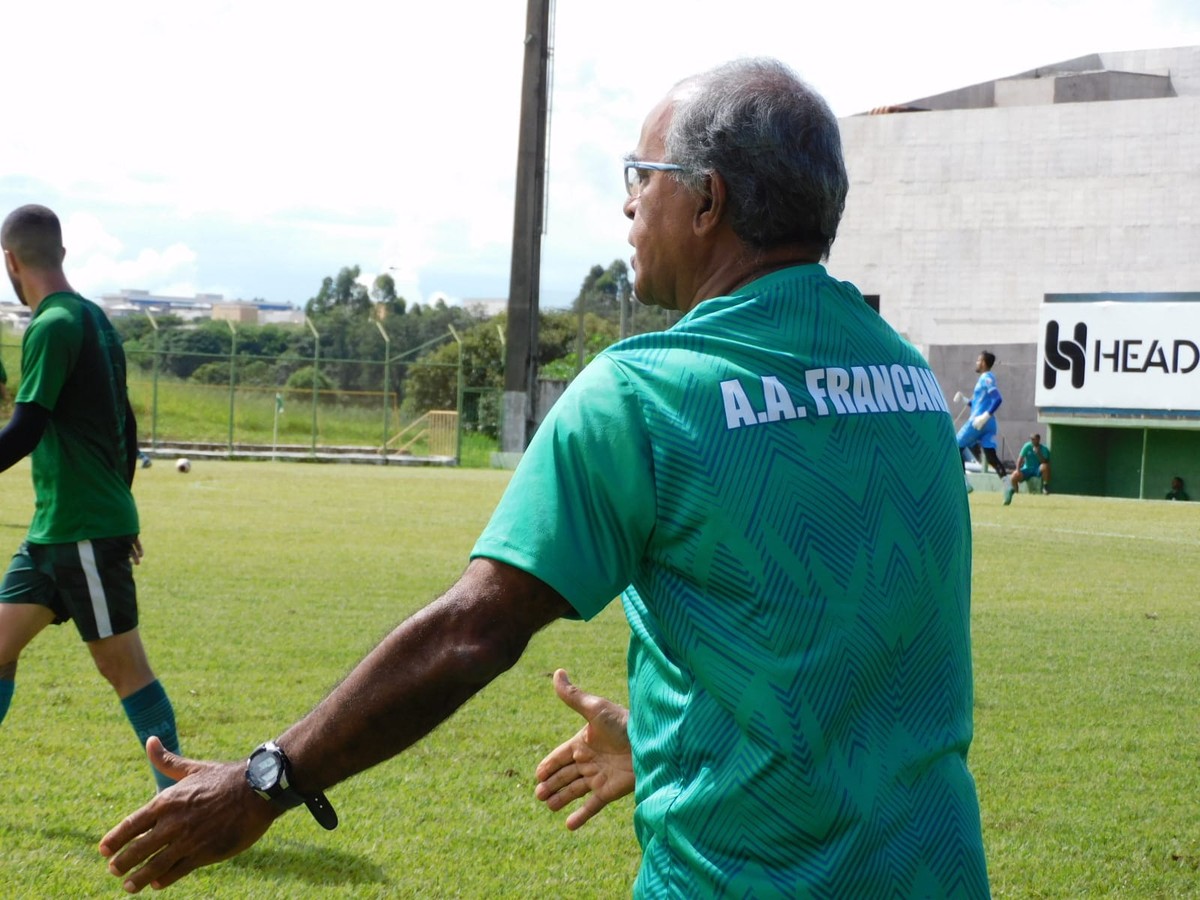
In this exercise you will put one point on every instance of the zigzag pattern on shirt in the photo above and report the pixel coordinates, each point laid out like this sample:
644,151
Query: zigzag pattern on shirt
840,551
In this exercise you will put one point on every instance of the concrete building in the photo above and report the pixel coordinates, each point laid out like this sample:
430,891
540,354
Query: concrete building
237,312
968,208
202,306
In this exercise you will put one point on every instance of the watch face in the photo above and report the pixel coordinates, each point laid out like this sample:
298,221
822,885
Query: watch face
263,771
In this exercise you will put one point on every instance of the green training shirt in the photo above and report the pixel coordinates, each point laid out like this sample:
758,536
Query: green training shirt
774,486
72,364
1028,457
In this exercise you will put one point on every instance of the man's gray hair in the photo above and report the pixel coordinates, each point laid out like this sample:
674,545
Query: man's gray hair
775,142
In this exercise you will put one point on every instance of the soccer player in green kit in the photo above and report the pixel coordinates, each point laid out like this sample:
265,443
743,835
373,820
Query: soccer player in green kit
797,590
71,415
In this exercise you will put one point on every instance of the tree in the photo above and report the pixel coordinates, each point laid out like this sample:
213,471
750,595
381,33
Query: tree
352,351
432,381
562,363
342,291
614,284
383,292
302,379
211,373
588,297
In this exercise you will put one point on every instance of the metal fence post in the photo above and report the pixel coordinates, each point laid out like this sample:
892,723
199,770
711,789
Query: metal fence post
232,378
387,352
459,403
315,374
154,387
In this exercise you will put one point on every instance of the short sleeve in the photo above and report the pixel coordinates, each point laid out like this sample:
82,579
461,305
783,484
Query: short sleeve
48,355
580,509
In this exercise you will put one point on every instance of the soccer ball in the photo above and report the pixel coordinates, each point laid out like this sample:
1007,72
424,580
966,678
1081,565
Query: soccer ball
183,465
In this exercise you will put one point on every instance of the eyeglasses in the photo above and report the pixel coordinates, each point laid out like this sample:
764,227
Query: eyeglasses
634,180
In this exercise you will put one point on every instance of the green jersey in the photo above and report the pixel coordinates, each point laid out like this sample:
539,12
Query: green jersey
1028,457
773,487
72,364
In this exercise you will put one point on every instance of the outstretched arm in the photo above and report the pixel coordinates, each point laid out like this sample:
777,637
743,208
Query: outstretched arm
597,762
417,676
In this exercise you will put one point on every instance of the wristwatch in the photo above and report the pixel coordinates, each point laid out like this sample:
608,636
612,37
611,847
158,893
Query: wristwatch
269,774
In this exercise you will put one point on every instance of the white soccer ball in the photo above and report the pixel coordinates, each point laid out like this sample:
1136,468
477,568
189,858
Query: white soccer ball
183,465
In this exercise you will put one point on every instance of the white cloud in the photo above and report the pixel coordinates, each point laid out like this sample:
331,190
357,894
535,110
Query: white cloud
251,148
97,262
84,234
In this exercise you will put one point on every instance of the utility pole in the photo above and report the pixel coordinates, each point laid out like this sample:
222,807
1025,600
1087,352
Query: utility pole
520,362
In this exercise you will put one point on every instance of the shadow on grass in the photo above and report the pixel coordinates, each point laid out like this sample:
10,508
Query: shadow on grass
59,832
314,865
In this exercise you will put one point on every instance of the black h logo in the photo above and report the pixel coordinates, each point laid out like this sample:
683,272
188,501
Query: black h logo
1065,355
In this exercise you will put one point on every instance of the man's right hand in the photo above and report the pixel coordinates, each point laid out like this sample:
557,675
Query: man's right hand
211,814
597,762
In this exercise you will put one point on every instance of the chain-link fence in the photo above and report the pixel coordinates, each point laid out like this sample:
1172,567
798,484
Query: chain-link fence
235,405
245,405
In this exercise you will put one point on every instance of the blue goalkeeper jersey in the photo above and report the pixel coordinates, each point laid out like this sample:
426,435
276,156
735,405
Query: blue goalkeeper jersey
772,487
986,398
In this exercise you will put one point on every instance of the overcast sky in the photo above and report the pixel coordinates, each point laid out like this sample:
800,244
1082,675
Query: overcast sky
251,148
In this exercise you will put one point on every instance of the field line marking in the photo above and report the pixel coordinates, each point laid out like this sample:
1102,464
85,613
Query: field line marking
1157,538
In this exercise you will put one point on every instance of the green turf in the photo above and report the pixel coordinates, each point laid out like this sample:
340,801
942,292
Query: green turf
176,411
263,583
1087,649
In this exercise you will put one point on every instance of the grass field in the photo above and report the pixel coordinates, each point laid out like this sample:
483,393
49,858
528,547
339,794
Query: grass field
263,583
187,412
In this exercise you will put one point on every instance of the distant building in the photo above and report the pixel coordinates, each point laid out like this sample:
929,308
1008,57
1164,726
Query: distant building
242,313
485,307
969,209
14,316
202,306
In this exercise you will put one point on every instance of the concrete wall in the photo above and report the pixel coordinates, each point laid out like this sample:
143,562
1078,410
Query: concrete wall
1094,86
1178,66
1015,371
1181,64
962,220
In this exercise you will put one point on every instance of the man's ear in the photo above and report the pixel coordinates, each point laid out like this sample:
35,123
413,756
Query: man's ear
710,211
10,263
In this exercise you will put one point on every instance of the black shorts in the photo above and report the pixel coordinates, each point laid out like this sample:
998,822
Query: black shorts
90,582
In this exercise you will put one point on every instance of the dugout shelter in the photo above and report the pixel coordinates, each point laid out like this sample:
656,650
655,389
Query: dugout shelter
1119,389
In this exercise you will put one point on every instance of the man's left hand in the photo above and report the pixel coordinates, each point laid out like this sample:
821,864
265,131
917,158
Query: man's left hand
597,763
210,815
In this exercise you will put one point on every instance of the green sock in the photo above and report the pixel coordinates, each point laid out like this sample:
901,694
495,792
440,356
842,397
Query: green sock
6,692
150,713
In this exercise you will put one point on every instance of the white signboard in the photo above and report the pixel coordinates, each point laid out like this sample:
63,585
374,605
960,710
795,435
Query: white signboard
1120,356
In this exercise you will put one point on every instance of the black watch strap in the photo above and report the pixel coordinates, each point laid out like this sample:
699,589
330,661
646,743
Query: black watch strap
322,810
282,794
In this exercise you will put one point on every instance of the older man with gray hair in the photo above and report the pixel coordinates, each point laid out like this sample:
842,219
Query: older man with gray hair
799,659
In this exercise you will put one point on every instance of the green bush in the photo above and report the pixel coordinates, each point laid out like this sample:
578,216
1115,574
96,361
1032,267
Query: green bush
303,378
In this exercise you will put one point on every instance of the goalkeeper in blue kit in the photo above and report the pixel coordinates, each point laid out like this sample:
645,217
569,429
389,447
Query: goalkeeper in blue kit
979,431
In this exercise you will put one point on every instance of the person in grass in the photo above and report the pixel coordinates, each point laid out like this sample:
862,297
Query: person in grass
798,593
978,433
1033,462
72,417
